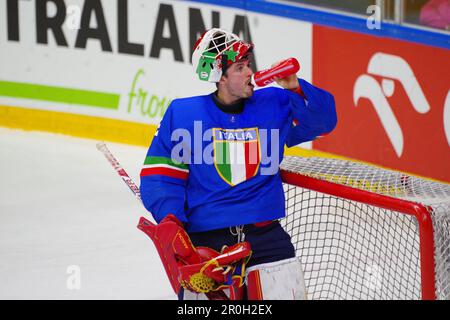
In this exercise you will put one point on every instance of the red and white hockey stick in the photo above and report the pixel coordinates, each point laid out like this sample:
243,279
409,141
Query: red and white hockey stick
101,146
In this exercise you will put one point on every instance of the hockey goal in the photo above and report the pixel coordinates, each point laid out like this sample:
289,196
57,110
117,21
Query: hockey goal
367,233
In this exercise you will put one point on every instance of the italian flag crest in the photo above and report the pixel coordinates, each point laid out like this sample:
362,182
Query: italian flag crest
236,154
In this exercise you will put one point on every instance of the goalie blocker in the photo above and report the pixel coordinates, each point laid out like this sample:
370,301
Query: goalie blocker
198,269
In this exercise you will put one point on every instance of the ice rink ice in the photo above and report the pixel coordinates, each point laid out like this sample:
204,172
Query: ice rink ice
63,205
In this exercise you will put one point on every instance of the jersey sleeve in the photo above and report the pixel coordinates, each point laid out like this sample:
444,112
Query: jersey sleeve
163,179
311,117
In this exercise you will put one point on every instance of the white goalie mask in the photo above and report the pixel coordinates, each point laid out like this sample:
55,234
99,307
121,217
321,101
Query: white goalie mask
215,51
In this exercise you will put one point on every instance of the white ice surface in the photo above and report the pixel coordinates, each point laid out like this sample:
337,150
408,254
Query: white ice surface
62,204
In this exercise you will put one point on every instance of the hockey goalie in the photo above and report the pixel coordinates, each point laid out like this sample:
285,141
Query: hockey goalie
211,175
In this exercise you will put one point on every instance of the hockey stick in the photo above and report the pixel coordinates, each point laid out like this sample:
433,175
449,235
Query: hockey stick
101,146
144,224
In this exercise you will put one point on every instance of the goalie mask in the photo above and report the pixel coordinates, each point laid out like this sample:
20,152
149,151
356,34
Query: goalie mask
215,51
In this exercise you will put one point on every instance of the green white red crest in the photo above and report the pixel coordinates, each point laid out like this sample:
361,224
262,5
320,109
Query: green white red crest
236,154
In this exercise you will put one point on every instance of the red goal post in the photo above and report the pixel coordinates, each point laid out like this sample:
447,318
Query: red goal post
364,232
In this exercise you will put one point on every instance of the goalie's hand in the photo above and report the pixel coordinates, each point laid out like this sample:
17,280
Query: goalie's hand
218,269
197,269
290,82
205,277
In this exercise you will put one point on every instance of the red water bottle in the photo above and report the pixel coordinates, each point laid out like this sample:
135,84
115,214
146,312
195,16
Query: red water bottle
285,68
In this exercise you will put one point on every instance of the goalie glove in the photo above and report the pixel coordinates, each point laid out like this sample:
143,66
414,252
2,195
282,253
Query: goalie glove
197,269
218,271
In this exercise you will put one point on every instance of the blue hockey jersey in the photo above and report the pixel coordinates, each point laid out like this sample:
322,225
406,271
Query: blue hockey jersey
214,169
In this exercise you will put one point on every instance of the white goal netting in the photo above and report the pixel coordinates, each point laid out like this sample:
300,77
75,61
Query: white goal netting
355,249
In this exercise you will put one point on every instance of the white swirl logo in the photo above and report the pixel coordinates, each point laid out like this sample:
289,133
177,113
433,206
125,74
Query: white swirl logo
392,68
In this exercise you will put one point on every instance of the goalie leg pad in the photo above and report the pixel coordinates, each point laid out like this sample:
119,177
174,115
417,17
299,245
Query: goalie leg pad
280,280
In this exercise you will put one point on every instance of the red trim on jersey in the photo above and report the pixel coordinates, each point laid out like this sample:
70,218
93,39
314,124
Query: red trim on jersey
263,224
164,172
299,91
